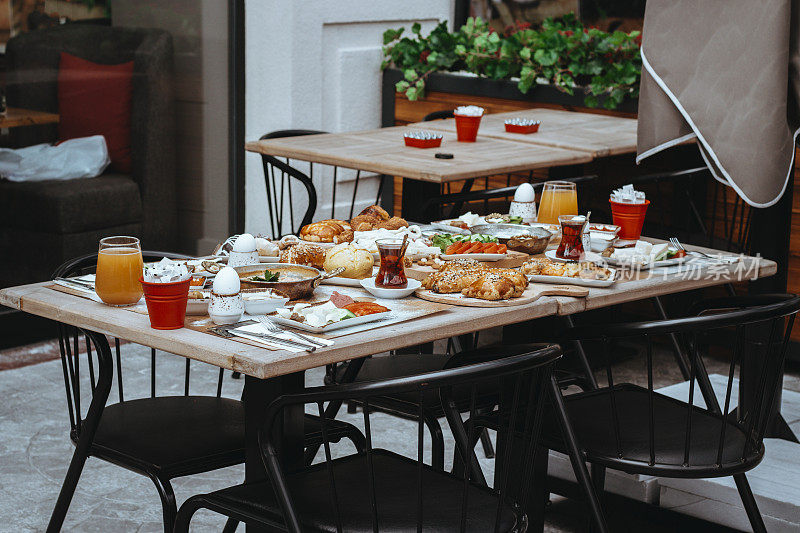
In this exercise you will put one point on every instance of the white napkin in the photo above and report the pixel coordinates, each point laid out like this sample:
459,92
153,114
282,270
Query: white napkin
258,328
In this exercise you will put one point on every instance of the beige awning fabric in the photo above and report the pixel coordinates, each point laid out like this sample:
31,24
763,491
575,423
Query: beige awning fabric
726,72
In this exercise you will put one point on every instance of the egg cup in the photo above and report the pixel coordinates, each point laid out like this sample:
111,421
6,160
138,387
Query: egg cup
226,308
236,259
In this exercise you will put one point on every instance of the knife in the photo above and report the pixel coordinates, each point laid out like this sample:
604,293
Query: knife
276,340
81,284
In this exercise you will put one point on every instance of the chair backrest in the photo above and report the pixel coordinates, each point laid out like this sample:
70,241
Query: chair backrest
69,339
753,332
439,115
280,199
524,378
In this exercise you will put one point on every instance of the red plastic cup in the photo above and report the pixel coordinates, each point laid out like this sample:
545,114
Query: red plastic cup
629,218
467,128
166,303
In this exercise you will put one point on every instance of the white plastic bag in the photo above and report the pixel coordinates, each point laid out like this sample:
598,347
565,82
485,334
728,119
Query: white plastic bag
85,157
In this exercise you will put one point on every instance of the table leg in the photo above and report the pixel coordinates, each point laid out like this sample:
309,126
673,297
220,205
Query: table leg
414,194
257,395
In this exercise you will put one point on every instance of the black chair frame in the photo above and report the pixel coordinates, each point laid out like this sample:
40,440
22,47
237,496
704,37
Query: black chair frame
527,375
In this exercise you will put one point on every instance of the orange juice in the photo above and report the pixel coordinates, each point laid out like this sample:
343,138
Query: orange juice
118,273
557,201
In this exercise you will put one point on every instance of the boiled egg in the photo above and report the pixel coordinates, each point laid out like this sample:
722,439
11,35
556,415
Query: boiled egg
245,243
525,193
227,282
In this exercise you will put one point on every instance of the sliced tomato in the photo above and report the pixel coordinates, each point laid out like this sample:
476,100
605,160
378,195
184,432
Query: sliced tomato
365,308
502,248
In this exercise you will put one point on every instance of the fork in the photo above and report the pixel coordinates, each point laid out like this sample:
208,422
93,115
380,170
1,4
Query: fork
677,244
272,327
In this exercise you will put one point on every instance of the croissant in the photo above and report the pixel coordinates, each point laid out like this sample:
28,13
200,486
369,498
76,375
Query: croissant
490,286
304,254
335,231
375,211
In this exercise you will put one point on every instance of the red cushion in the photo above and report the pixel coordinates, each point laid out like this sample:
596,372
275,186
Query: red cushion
95,99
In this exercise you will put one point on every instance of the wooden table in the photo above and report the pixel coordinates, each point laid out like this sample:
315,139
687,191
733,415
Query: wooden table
16,117
384,151
285,370
565,139
599,135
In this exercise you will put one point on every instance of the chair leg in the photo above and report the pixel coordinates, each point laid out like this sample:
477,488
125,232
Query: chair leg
169,507
88,430
230,525
486,442
67,489
578,466
599,482
185,513
750,505
540,494
437,441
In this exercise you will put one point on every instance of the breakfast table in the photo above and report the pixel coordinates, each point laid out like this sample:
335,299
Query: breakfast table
565,138
270,372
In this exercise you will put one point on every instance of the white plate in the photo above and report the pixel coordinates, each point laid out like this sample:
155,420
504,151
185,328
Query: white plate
477,257
335,325
344,282
443,225
390,294
588,257
646,266
261,259
564,280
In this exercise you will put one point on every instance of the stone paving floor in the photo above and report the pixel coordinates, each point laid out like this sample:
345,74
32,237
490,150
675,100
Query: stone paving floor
35,450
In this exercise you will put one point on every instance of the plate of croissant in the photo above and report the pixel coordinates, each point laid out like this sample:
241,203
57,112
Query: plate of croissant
472,284
586,274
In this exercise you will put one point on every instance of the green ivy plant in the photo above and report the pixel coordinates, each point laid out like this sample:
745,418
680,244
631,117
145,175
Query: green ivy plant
562,52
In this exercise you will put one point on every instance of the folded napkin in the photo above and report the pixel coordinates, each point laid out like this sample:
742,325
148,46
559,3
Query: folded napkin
726,72
258,328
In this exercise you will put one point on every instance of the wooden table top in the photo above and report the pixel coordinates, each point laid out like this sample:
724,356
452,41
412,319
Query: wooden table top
383,151
39,299
16,117
599,135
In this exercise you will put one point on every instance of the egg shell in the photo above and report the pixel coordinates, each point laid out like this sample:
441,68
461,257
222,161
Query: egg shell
227,282
245,243
525,193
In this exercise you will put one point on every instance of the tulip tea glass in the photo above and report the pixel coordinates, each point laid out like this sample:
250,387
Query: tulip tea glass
391,273
119,267
572,228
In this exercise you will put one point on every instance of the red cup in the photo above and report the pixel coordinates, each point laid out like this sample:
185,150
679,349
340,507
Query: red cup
467,128
629,218
166,303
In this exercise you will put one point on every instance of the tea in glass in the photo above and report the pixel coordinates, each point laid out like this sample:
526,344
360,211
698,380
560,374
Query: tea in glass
571,247
119,267
558,198
391,273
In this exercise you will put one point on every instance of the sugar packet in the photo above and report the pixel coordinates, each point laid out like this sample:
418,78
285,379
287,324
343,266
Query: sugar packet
166,271
627,194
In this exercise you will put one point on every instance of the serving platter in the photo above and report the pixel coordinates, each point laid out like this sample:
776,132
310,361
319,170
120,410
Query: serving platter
564,280
646,266
531,294
344,282
333,326
477,257
444,225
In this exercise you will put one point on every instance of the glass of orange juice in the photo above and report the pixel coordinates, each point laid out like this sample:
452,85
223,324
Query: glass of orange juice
558,198
119,267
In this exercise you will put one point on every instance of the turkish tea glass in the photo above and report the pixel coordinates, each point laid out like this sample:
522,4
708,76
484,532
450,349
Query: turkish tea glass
391,273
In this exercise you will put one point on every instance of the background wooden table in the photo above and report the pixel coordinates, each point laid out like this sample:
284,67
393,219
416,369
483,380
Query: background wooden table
16,117
384,151
599,135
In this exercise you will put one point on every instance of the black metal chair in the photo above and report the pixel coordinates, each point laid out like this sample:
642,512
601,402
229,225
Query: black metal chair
161,437
637,430
382,490
278,178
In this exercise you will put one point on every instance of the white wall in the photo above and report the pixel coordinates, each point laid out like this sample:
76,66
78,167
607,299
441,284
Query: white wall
315,64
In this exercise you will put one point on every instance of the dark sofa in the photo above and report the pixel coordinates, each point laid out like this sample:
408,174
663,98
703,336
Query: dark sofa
44,223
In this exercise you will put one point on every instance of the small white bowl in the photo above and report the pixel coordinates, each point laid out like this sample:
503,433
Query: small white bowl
262,306
390,294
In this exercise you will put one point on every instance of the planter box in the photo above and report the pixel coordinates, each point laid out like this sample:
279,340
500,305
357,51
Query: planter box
495,95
